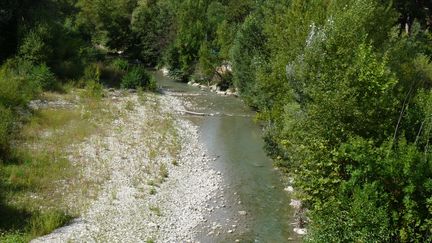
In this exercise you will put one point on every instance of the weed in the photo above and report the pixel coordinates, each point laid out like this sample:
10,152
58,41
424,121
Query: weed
153,191
44,223
141,95
156,210
163,171
152,154
114,194
130,106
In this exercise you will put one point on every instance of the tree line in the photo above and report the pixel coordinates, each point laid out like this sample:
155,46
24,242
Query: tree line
342,87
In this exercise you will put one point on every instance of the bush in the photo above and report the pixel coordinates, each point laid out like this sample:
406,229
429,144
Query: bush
357,217
94,89
34,46
6,123
138,77
120,64
43,76
17,86
92,73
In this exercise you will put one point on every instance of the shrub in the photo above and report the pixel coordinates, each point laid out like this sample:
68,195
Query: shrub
6,123
17,86
138,77
34,46
359,217
92,73
120,64
43,76
94,89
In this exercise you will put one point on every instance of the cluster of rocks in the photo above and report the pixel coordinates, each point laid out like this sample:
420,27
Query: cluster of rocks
53,104
214,88
299,212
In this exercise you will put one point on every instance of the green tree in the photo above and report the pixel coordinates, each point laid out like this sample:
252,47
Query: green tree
107,22
152,28
183,53
248,53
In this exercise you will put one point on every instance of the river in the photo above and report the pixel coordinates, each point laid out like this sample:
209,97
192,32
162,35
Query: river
256,208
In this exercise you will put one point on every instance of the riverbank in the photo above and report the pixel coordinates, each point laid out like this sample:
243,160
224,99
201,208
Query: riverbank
153,174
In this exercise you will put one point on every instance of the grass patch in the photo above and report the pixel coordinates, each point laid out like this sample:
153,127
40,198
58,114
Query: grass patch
153,191
156,210
175,162
130,105
34,182
45,223
163,171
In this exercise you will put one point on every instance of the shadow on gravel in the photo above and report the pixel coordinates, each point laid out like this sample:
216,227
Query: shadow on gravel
20,224
12,219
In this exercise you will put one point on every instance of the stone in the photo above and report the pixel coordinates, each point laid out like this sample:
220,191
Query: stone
300,231
289,189
295,203
242,212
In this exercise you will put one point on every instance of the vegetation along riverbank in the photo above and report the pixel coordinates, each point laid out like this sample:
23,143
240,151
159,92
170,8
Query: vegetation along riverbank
342,89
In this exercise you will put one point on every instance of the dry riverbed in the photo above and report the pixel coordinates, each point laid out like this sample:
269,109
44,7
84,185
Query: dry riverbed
153,176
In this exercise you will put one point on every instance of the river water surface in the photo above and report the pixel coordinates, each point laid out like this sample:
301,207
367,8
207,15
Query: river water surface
255,207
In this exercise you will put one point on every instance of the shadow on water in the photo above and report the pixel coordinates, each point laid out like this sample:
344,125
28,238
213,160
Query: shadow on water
253,191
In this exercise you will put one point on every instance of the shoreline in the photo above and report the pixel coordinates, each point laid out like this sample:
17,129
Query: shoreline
136,202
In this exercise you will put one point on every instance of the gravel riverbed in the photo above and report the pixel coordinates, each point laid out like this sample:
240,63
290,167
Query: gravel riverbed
155,177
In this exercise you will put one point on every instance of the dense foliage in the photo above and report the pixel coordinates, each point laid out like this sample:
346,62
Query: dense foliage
342,87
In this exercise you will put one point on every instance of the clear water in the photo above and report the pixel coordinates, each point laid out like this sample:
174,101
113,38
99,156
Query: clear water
251,183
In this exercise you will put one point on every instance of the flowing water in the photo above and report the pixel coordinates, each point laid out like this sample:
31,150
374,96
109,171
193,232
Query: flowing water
255,206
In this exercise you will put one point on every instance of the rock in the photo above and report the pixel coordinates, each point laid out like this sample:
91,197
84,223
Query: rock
230,231
289,189
295,203
300,231
230,92
242,212
152,225
165,71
